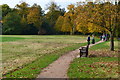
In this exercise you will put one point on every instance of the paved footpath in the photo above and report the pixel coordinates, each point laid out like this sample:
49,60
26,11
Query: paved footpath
58,69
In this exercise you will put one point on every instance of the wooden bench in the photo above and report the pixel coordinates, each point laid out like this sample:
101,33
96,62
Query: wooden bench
84,51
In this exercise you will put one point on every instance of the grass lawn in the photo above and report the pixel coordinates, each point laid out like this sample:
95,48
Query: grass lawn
101,63
24,56
8,39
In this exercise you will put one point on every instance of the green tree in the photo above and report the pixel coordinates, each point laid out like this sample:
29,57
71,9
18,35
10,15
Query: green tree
52,15
5,9
12,24
22,9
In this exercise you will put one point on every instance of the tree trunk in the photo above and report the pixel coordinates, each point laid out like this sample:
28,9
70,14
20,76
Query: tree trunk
39,32
112,41
72,31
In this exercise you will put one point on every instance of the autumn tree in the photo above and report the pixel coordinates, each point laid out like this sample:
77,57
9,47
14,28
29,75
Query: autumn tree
35,16
71,16
82,17
67,22
118,28
59,23
105,16
67,26
98,17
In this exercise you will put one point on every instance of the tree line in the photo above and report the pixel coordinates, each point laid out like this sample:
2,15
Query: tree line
81,18
97,17
26,19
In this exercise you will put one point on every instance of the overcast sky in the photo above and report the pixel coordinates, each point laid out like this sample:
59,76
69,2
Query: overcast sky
42,3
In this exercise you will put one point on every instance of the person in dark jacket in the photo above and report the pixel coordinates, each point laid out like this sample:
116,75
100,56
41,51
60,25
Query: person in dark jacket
88,40
93,40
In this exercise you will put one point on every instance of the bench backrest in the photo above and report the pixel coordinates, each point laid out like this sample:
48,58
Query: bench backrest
84,48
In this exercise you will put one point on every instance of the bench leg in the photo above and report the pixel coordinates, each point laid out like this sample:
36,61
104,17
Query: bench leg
86,54
80,54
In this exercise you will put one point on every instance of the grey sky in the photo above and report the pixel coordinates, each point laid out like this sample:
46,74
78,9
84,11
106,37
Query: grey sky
42,3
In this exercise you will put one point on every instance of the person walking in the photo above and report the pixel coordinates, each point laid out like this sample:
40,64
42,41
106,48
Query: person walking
103,37
107,37
88,39
93,39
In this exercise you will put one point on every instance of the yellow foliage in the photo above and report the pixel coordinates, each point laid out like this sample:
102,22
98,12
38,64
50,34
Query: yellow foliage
66,27
70,7
82,28
59,23
34,17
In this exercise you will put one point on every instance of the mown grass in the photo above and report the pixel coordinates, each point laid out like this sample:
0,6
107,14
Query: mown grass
104,45
31,70
7,39
25,58
104,63
91,68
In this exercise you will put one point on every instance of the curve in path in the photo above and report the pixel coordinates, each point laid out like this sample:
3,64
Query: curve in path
58,69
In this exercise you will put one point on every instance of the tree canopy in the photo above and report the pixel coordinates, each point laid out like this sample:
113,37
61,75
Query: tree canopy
82,17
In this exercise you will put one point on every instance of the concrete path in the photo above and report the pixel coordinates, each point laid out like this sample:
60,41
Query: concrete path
58,69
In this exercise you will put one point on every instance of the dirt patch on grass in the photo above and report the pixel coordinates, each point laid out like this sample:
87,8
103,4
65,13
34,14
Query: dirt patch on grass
108,69
108,64
103,53
12,64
